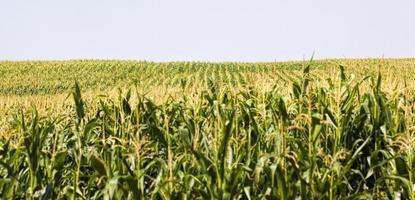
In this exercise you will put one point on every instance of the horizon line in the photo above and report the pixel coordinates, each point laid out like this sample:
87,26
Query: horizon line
206,61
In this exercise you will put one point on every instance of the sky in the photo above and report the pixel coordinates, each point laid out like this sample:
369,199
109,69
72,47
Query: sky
209,30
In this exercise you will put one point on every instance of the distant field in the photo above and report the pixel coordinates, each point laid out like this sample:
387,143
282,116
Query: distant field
326,129
32,78
34,82
55,77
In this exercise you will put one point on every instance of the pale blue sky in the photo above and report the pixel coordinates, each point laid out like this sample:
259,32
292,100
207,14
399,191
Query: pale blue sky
210,30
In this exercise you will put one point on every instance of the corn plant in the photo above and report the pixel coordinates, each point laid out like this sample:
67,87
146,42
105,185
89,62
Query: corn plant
316,141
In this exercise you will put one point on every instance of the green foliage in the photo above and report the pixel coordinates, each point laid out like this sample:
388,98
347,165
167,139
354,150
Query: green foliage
318,142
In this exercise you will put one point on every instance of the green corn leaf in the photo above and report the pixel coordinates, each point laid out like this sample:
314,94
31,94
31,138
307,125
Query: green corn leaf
99,165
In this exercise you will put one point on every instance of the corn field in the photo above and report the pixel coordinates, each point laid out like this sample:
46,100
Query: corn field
307,136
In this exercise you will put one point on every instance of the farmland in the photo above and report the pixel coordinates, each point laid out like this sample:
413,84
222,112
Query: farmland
326,129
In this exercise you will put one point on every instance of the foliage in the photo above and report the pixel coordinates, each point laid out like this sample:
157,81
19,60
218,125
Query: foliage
316,142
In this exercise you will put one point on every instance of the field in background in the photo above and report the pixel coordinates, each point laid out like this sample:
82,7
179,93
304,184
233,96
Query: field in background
48,83
326,129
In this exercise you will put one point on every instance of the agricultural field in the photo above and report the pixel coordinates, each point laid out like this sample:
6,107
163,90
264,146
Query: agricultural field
102,129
